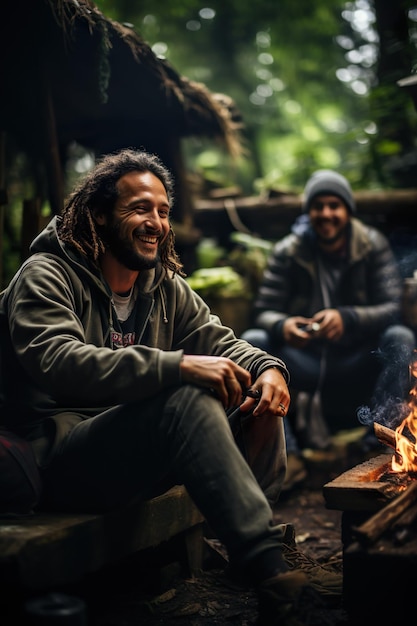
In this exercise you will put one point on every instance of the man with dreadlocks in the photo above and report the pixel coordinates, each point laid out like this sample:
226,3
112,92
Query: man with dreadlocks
122,379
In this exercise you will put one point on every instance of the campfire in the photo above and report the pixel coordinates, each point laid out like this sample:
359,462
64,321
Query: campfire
382,479
404,438
401,514
379,523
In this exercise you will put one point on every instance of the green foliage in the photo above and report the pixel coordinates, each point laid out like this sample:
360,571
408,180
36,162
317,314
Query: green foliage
249,257
218,282
300,72
237,273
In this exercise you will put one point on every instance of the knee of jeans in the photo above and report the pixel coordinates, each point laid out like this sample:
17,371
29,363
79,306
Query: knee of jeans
197,413
193,402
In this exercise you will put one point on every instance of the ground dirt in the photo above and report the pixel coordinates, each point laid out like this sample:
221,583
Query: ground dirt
213,598
142,594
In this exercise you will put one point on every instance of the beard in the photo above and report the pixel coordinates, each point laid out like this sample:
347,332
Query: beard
341,234
124,251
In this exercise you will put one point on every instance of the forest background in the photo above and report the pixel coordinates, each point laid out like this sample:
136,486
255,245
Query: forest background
316,84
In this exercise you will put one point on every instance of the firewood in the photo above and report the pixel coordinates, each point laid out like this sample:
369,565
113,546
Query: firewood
387,437
407,518
404,528
376,525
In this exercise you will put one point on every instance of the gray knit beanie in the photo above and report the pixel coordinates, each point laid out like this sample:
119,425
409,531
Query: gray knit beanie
327,182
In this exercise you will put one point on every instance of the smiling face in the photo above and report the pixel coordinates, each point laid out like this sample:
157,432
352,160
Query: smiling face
329,217
139,223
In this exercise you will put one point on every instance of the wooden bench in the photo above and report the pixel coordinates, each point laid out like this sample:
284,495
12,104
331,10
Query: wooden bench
51,549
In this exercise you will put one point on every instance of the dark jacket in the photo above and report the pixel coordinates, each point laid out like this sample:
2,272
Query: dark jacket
369,292
58,344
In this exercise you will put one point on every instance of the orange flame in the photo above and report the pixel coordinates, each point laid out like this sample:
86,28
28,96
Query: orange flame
405,457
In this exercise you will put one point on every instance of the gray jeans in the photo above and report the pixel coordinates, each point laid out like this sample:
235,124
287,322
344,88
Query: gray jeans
180,437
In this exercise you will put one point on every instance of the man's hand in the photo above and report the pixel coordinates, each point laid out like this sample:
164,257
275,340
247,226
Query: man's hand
326,324
331,324
275,396
227,379
297,331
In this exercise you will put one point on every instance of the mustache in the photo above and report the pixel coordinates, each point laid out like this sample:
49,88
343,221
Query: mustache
326,220
139,232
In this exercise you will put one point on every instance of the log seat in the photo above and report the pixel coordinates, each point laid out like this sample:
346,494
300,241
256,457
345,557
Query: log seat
49,549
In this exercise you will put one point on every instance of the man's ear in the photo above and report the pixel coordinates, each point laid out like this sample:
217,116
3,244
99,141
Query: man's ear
99,217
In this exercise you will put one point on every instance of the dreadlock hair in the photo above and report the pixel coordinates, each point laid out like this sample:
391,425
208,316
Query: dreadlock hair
98,190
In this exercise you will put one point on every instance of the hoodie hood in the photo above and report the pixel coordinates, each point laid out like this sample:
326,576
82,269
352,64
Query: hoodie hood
48,242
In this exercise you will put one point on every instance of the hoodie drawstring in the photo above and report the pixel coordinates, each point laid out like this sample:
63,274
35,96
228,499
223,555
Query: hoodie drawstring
164,308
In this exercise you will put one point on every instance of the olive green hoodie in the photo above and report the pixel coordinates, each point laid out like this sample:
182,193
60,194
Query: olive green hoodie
57,348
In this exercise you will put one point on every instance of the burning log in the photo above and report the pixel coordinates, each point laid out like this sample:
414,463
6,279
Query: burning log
388,438
379,523
385,435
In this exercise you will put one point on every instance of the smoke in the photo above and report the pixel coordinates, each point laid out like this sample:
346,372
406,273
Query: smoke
405,250
389,414
390,404
404,244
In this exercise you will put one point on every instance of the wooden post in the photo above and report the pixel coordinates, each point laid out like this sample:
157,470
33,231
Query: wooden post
31,224
51,150
3,200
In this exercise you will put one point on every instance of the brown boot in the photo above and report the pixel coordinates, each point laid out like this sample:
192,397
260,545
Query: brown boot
327,581
277,597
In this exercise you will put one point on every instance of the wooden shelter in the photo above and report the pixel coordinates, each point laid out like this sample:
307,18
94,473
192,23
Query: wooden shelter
70,75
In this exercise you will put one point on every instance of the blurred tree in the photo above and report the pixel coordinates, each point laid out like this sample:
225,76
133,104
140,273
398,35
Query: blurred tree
395,156
315,82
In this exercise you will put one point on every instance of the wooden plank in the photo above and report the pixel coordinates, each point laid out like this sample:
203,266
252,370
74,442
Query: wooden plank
50,548
377,524
271,216
363,487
